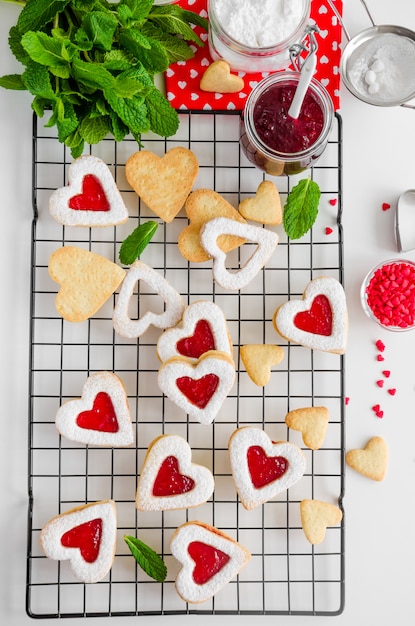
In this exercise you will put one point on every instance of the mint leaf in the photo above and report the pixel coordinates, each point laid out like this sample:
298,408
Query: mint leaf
100,28
12,81
149,561
164,119
132,111
92,75
94,129
37,80
37,13
136,242
301,208
176,48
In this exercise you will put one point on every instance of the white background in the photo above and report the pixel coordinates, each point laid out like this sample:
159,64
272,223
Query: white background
379,163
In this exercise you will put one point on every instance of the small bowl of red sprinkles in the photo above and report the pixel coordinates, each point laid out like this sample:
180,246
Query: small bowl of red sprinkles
388,294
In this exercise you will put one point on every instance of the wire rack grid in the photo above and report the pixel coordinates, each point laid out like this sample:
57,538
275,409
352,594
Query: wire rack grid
286,574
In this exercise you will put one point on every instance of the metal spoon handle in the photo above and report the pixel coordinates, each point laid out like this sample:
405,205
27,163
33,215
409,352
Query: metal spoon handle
307,70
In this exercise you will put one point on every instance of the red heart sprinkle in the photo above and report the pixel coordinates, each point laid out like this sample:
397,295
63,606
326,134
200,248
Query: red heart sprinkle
92,198
380,345
380,357
385,206
264,469
318,320
101,417
376,408
380,383
392,391
86,537
333,201
169,481
209,561
386,373
346,400
379,414
199,391
328,230
200,342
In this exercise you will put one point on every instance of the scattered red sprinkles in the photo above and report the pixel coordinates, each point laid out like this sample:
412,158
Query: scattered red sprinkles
385,206
380,383
390,295
380,345
386,373
328,230
379,414
380,357
392,391
376,408
333,201
346,400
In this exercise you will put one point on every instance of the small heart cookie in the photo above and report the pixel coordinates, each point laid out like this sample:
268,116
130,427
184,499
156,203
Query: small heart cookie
209,560
312,422
262,468
101,416
203,205
174,303
86,536
316,516
218,78
198,388
319,320
91,197
372,460
86,281
163,183
267,241
169,479
265,207
259,359
203,328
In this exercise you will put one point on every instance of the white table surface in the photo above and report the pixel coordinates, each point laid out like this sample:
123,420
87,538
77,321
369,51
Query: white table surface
379,163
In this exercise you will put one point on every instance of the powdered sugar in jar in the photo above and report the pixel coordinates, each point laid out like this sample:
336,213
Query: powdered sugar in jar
255,36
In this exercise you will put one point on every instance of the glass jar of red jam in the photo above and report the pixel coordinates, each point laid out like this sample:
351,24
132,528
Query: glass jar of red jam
275,142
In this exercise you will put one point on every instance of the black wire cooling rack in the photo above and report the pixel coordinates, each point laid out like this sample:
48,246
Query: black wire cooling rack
286,574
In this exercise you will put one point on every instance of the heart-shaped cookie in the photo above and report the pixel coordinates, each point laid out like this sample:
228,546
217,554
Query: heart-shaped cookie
372,460
174,303
86,281
163,183
91,197
86,536
316,516
266,241
101,416
319,320
209,560
259,359
218,78
262,468
265,207
198,388
201,206
169,479
203,328
312,422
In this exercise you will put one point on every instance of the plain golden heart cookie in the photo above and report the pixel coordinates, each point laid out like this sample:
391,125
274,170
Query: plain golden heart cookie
163,183
372,460
312,422
265,207
218,78
316,516
86,281
202,206
259,359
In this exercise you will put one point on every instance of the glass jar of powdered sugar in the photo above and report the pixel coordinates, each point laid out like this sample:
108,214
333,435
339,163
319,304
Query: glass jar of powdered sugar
255,35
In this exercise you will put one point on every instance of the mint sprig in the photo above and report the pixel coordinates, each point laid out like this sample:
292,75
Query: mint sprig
301,208
92,64
136,242
149,561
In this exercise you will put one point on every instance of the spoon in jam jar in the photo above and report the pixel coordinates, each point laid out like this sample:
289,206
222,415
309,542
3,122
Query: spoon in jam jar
306,69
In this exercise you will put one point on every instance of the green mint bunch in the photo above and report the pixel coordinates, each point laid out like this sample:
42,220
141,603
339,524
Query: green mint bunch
93,62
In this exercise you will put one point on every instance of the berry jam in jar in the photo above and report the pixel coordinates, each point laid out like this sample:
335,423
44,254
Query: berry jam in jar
276,142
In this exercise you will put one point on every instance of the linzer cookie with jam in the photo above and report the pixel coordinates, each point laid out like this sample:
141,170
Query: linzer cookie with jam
169,479
319,321
262,468
209,560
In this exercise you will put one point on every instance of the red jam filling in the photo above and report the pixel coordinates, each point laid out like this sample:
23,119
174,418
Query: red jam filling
86,537
199,391
264,469
169,481
209,561
200,342
317,320
101,417
92,198
277,129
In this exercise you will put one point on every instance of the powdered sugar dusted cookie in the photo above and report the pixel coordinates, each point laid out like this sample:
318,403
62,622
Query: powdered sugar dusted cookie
262,468
209,559
202,328
86,536
372,460
312,422
91,197
174,303
319,320
266,240
101,416
198,388
316,516
265,207
258,360
169,479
